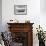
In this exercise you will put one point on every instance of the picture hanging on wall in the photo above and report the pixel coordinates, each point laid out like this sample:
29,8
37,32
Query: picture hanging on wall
20,9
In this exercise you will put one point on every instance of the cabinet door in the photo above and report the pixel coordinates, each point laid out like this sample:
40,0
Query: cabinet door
24,38
20,38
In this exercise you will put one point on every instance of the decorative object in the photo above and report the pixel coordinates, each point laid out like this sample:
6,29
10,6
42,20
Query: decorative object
20,9
13,21
27,21
41,36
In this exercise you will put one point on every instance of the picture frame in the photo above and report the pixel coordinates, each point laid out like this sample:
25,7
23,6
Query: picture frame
20,9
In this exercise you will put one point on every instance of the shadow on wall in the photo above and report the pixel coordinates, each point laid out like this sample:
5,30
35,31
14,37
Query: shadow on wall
43,6
0,15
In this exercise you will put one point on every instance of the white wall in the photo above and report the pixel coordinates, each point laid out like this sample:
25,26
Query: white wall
43,6
0,15
33,14
43,14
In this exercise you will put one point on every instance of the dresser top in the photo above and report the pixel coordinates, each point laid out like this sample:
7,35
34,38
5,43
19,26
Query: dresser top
20,23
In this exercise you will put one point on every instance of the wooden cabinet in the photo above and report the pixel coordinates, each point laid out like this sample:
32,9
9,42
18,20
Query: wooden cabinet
22,33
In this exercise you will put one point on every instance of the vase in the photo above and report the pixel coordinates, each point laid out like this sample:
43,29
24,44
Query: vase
41,43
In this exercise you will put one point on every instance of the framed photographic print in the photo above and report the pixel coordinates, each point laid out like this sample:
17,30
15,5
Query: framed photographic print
20,9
